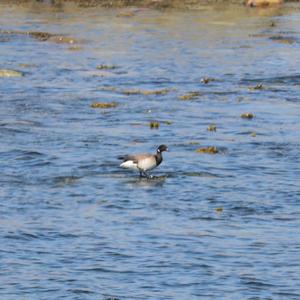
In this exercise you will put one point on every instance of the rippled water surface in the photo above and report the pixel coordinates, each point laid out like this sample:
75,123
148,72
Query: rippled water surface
74,225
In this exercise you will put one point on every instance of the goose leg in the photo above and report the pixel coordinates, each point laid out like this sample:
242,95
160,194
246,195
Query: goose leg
148,176
142,174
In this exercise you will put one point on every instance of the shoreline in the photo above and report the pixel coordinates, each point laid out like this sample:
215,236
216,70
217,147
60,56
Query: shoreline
155,4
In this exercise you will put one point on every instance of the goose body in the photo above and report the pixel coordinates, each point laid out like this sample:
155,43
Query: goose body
143,162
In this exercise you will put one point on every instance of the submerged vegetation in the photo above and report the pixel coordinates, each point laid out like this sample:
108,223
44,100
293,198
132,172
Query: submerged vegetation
104,105
247,116
146,92
10,73
106,67
190,96
209,150
154,125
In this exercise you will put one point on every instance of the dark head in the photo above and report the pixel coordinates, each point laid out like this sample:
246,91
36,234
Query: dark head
162,148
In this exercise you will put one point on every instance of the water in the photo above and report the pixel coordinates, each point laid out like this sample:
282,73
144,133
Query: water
76,226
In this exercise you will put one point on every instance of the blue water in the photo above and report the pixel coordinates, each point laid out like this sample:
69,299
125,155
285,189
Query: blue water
73,225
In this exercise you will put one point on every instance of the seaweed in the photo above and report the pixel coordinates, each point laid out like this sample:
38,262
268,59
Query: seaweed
104,105
247,116
190,96
209,150
154,125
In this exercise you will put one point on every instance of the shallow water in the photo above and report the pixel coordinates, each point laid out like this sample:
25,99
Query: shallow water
76,226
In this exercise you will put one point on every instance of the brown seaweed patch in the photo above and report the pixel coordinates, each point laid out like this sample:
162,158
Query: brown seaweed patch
190,96
247,116
106,67
10,73
219,209
146,92
154,125
39,35
104,105
209,150
212,127
25,65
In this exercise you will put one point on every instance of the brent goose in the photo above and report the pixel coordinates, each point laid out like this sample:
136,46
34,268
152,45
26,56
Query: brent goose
143,162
